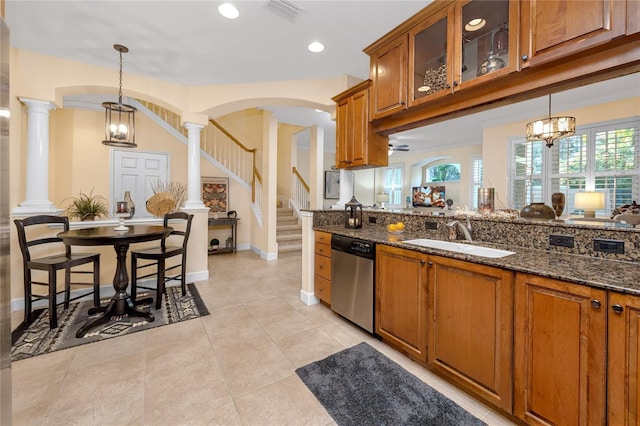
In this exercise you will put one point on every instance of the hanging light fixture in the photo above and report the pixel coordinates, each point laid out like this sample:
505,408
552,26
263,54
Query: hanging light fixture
550,129
120,119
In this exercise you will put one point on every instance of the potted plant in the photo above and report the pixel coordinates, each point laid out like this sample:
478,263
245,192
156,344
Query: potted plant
87,206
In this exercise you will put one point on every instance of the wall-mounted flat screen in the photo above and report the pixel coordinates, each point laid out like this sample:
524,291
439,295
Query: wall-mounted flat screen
428,196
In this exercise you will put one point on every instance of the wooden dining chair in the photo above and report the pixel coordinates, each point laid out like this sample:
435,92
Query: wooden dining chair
42,232
156,258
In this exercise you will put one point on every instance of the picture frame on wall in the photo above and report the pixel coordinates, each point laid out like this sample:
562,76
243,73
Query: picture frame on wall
331,185
215,194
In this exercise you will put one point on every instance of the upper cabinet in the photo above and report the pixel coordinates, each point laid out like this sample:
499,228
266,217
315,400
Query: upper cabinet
389,76
554,29
467,43
357,145
457,56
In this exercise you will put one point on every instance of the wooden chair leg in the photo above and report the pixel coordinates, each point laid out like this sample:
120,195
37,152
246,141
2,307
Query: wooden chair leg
160,283
27,297
53,313
96,283
67,287
134,276
183,279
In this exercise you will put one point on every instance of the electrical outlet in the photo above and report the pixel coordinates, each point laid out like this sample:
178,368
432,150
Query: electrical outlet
430,225
373,219
561,240
608,246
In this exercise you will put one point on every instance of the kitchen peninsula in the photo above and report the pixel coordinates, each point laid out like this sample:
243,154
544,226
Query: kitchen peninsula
524,332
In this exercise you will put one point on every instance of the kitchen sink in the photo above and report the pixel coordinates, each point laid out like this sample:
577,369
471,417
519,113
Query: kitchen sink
460,248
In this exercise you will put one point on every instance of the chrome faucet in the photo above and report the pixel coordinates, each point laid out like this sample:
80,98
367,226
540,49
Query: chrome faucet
466,230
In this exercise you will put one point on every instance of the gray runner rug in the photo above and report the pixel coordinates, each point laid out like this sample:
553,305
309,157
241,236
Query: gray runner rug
36,338
361,386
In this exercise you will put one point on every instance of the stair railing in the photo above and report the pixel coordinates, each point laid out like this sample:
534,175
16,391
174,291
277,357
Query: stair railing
299,192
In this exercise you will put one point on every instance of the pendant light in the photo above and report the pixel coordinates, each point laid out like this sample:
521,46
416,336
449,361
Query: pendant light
120,119
550,129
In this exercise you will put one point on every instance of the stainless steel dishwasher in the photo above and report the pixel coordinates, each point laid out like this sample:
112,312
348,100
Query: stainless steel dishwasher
352,284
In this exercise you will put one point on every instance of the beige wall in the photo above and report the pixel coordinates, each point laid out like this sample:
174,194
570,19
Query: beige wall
495,147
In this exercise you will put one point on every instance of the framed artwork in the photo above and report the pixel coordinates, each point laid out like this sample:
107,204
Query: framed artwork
331,185
215,193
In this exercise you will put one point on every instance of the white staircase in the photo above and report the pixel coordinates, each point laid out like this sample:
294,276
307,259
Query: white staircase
288,231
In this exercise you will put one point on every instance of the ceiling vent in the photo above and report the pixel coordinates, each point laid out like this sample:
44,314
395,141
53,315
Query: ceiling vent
284,8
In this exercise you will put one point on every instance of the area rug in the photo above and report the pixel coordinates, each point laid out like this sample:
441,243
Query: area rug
37,339
361,386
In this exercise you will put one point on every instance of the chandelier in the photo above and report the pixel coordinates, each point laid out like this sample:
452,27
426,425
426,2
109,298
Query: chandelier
550,129
120,119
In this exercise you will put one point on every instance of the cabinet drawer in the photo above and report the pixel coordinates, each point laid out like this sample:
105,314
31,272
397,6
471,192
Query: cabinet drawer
323,249
322,289
323,267
323,237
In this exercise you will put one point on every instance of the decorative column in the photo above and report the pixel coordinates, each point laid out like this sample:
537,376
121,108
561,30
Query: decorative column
316,167
194,196
37,172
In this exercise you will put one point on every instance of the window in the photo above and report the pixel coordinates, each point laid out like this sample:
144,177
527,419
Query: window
603,158
393,182
449,172
476,180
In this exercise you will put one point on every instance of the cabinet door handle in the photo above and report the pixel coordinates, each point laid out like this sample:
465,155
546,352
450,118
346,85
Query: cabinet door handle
422,262
448,86
525,57
429,263
596,303
455,83
617,308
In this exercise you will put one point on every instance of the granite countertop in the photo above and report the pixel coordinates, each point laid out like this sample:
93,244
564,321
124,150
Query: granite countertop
595,272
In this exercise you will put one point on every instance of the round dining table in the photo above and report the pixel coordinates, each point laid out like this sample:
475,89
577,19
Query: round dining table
121,302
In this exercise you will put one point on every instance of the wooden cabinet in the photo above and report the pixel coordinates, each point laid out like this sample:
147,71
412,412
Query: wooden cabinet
401,300
470,327
555,29
357,145
388,72
623,371
322,267
560,352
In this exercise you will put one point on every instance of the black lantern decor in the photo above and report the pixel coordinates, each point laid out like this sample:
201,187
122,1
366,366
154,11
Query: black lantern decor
353,214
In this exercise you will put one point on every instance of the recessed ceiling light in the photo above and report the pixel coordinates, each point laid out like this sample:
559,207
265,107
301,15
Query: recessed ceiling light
228,11
316,47
475,24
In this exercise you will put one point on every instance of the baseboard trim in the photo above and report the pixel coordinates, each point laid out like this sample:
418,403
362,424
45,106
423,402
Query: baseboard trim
308,298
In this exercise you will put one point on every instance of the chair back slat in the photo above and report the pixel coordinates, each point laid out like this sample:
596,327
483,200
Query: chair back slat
178,232
26,243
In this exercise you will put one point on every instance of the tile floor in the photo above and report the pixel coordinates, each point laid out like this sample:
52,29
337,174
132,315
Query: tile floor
233,367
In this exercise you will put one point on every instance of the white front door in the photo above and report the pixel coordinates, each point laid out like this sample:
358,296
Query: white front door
136,172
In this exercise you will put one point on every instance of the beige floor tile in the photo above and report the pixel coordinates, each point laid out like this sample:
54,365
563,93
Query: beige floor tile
285,402
255,368
309,346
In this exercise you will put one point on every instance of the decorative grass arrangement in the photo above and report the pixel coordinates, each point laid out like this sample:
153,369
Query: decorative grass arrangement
87,206
177,189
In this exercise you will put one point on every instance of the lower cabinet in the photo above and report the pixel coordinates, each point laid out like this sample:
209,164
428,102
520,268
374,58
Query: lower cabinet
470,327
401,300
322,267
623,371
560,352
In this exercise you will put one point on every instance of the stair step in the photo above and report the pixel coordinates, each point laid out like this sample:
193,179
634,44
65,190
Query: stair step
290,237
292,227
290,248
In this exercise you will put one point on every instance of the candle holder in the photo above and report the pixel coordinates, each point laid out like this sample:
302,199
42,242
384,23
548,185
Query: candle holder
122,212
353,214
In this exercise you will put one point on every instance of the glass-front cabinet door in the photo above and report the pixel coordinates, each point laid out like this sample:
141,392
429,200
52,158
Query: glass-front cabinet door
485,45
431,49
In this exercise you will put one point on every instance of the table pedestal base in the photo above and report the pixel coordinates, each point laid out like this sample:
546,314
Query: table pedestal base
117,307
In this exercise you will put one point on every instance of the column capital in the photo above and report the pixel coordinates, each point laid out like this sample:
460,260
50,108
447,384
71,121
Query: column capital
193,126
37,104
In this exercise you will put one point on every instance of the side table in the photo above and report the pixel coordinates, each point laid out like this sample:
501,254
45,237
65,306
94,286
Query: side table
226,221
